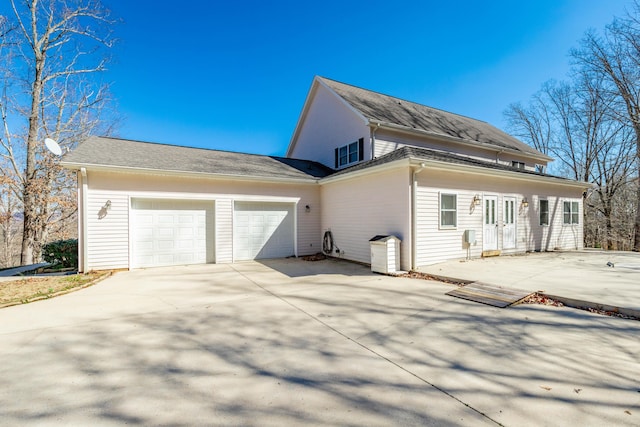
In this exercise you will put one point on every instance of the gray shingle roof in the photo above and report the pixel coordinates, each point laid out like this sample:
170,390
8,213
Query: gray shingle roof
377,107
113,152
425,154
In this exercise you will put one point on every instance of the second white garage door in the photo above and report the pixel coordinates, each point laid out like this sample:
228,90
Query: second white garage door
263,230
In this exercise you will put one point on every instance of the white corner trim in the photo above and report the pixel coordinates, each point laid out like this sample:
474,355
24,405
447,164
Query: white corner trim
85,240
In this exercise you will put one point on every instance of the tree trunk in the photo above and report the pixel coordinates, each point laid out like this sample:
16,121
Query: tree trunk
636,228
30,183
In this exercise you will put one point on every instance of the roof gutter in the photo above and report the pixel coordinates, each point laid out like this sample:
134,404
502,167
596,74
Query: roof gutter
366,171
189,174
447,138
439,165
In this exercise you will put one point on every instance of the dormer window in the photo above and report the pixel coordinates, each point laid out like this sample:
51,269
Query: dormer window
517,165
350,153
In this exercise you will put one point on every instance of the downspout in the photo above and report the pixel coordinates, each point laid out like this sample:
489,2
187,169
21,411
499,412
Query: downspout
83,220
414,209
373,140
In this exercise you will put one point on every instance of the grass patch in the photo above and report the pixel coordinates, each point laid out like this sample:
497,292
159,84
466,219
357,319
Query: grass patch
26,290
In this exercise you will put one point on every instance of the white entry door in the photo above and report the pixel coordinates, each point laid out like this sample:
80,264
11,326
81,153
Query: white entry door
509,225
263,230
490,225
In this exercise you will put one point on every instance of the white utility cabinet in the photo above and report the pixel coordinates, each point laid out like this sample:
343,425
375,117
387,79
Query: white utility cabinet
385,254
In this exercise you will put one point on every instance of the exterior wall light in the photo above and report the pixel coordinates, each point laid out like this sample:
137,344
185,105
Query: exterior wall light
476,200
104,209
307,208
525,203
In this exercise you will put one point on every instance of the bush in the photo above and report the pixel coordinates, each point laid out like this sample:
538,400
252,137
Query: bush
63,253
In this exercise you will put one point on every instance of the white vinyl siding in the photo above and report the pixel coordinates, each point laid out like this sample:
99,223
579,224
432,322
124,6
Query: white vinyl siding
435,244
224,231
108,235
327,124
357,209
108,242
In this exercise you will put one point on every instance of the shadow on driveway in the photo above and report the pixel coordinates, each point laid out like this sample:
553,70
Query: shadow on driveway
266,344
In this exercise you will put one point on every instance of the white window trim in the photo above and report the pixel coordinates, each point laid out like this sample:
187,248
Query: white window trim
571,202
540,211
346,146
447,227
518,165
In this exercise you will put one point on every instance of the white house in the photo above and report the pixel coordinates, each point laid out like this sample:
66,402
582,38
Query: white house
448,186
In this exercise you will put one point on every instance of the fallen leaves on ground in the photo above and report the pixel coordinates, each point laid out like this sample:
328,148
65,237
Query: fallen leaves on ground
538,298
425,276
33,288
315,257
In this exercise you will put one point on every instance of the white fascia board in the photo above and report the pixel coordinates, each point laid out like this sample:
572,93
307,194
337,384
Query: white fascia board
448,138
209,197
344,102
317,82
446,166
303,116
366,171
186,174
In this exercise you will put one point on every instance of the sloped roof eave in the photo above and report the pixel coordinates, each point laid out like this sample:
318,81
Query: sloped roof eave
517,175
317,83
448,138
417,161
186,174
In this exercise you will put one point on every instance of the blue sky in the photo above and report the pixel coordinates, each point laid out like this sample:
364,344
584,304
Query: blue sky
234,75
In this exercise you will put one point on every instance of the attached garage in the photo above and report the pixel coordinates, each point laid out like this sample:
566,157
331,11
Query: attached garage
171,232
263,230
146,205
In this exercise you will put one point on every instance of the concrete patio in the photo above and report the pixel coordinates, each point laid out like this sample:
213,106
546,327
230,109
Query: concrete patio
582,275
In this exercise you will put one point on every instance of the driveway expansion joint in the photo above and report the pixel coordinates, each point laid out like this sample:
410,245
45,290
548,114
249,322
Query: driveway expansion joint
370,350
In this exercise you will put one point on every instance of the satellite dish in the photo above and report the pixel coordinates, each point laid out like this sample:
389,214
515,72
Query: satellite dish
53,146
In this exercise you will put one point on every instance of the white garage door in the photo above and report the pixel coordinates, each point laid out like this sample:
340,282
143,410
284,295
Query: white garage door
262,230
171,232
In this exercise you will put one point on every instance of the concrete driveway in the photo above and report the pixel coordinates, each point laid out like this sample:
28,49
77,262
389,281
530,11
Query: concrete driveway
289,342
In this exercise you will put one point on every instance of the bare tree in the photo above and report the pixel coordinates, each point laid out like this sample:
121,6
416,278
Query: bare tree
616,56
576,124
52,89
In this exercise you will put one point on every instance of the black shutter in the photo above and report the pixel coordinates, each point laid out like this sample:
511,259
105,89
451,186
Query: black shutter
336,158
361,149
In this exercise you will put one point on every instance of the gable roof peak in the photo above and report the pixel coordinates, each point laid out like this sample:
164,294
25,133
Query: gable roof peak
408,116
